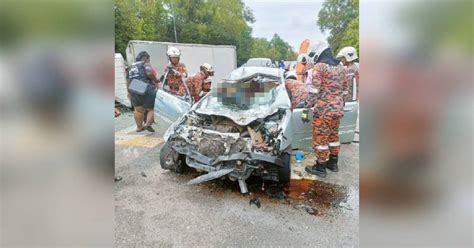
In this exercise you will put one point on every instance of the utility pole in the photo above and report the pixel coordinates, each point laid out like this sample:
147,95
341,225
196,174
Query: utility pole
174,23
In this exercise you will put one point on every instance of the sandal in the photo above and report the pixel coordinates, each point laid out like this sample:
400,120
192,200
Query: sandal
140,129
149,128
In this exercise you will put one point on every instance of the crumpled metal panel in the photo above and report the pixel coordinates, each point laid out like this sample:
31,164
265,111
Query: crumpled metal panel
209,176
244,117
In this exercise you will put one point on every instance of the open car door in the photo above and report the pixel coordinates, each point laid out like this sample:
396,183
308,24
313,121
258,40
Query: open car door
303,131
349,121
171,106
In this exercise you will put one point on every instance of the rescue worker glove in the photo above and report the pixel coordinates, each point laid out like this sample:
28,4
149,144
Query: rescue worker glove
305,115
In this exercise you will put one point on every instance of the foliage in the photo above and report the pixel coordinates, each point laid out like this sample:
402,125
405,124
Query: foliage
341,19
275,49
216,22
137,20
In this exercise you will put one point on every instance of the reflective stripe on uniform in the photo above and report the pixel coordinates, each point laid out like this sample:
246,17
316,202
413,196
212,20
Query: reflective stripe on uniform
334,143
322,147
313,90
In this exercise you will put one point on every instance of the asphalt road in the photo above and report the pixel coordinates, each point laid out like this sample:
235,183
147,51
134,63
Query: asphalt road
154,208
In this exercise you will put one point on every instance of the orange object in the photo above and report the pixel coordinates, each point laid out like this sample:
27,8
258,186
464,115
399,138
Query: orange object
304,46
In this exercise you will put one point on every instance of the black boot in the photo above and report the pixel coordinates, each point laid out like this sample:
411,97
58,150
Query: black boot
332,163
319,169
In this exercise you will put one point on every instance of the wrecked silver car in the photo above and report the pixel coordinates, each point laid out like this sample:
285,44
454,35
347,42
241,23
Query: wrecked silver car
243,128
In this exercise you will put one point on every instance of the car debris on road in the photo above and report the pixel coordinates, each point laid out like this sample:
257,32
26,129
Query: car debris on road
255,201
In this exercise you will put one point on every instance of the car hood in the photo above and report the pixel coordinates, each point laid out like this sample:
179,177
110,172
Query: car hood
246,116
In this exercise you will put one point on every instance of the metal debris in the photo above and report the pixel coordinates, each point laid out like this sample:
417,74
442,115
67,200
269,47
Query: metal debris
209,176
255,201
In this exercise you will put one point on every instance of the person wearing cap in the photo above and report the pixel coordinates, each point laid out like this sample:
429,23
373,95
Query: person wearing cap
327,104
348,57
196,82
296,89
143,71
175,72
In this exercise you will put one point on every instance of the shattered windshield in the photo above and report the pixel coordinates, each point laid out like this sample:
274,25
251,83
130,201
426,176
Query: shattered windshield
244,93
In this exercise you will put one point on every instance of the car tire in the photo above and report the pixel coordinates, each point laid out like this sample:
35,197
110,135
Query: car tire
170,159
284,172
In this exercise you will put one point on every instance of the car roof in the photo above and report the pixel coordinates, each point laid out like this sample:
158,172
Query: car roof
260,59
244,72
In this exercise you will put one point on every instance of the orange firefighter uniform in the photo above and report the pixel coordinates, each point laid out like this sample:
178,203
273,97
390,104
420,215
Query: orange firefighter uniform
352,73
328,81
175,78
195,85
297,92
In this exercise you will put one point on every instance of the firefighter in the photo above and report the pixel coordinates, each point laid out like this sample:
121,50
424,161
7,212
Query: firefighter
175,72
196,82
348,56
206,87
296,89
328,107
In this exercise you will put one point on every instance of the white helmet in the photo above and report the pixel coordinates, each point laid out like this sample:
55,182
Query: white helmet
173,52
349,53
302,58
291,74
207,67
316,49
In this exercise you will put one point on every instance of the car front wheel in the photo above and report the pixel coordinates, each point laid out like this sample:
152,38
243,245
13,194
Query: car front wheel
284,172
171,159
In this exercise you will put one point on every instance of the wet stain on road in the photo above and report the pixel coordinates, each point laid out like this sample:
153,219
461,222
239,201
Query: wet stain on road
315,197
312,196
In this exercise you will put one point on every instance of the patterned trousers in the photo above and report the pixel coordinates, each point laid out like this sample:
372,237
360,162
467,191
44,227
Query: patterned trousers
326,136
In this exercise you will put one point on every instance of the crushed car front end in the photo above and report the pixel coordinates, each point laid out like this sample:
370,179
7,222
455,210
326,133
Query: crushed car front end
232,140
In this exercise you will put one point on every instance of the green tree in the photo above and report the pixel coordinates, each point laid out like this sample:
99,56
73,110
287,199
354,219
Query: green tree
138,20
260,48
341,19
216,22
275,49
282,48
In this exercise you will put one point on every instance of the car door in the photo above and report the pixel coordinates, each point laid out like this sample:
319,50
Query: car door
303,131
170,107
349,121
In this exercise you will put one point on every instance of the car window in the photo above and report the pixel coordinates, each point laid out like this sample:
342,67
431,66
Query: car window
258,62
